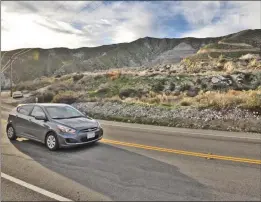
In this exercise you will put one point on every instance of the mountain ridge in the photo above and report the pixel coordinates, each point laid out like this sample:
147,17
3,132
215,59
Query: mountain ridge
146,51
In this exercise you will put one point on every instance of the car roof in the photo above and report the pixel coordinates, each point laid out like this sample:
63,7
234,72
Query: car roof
45,104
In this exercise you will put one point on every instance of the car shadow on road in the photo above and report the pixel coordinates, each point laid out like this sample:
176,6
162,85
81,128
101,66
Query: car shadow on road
78,148
118,173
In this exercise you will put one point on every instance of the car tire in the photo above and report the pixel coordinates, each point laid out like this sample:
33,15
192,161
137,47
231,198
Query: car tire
11,134
51,141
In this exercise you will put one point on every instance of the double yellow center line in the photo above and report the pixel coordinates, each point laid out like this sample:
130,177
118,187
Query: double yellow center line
182,152
174,151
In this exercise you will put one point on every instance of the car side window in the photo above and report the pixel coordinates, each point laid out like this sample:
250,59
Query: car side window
25,110
37,111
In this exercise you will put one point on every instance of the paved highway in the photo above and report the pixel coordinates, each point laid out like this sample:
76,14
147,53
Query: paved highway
136,162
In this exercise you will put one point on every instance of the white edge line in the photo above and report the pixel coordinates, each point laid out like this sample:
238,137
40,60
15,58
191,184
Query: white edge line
181,132
34,188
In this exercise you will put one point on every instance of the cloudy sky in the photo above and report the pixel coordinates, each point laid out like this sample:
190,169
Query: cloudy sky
75,24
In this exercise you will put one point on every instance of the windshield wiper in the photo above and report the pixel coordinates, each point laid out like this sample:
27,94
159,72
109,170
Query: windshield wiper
71,117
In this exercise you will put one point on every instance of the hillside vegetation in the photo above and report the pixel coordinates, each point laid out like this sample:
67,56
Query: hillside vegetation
174,82
142,52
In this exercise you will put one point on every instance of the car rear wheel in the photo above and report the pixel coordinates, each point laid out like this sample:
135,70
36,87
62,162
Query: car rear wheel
11,133
52,142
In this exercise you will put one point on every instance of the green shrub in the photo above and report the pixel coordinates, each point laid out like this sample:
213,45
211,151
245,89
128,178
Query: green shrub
158,86
58,87
67,97
185,86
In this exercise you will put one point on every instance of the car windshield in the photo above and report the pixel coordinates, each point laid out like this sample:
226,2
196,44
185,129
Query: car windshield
63,112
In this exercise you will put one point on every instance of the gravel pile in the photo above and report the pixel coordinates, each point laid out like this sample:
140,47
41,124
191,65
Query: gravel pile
230,120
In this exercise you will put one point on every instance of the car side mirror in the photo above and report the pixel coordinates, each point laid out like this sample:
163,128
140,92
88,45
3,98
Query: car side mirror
40,117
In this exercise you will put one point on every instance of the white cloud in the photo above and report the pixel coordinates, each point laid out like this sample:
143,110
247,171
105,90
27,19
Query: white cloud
234,17
76,24
198,13
45,26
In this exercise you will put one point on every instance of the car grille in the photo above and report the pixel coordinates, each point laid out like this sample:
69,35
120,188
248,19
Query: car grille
84,139
88,130
97,135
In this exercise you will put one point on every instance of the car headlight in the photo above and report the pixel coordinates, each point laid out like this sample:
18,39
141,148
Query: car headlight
65,129
99,125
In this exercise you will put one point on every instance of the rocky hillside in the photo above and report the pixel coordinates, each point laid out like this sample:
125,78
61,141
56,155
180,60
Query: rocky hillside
145,52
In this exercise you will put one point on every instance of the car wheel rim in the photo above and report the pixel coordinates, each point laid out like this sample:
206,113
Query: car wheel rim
51,142
10,132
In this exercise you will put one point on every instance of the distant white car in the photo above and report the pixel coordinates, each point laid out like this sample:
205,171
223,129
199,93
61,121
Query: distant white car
17,94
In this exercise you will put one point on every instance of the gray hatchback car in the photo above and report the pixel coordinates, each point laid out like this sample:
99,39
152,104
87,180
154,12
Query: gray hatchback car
55,125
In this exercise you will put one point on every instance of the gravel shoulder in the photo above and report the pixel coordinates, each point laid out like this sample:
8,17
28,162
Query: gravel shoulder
236,119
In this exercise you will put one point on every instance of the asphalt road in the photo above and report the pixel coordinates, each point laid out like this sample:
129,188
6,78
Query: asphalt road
136,162
11,191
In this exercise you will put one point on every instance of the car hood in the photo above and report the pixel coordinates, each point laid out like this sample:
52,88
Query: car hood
78,123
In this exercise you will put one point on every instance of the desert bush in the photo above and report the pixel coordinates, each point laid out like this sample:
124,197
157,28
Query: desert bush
245,99
128,92
158,86
154,100
184,86
252,100
221,58
45,97
66,77
58,87
114,74
77,77
67,97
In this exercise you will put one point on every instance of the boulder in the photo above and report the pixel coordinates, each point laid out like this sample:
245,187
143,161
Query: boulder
238,78
167,66
243,63
143,73
192,92
249,56
218,79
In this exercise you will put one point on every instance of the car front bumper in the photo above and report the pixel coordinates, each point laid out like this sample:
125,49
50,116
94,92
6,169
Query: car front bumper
70,140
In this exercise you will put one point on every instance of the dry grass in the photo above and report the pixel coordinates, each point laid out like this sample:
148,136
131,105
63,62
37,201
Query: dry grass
217,100
245,99
114,74
254,64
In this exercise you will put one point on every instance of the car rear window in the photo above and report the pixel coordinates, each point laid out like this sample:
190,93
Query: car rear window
25,110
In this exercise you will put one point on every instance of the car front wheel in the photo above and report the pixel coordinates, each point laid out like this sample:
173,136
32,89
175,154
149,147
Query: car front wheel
11,133
52,142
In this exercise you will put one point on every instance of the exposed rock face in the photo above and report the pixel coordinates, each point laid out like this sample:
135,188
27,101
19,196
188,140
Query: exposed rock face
174,55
